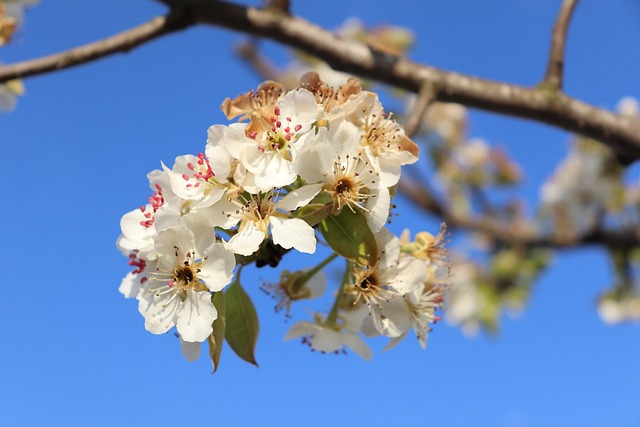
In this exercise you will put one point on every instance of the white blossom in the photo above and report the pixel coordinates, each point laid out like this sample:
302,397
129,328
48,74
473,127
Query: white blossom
261,213
190,265
329,337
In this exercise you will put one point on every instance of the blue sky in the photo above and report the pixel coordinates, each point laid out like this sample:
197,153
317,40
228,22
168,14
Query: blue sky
75,155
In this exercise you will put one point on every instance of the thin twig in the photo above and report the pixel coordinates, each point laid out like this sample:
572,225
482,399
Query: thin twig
121,42
248,52
426,97
555,66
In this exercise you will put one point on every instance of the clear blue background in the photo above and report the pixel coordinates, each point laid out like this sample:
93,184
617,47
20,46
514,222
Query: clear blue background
74,157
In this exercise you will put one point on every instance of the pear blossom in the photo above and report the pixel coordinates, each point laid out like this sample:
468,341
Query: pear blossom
259,213
136,234
193,180
190,265
267,146
254,103
383,141
428,247
317,147
331,100
296,286
332,158
383,285
465,302
614,309
421,306
9,92
329,337
16,8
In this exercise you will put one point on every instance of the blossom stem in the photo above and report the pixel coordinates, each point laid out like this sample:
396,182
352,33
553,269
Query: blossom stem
309,274
237,279
333,314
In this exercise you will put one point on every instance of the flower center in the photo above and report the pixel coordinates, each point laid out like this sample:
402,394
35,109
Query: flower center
183,277
257,209
280,134
349,182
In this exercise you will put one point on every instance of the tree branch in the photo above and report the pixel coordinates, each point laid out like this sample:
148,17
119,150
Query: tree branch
555,66
538,103
121,42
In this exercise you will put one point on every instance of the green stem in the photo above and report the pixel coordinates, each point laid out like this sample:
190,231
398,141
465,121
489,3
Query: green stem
322,265
309,274
237,279
333,314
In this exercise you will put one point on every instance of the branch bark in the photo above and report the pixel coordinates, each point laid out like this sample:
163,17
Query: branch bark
555,66
118,43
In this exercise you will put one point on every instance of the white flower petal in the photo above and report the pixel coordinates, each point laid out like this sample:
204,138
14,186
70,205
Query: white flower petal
316,285
246,241
388,247
236,140
327,340
196,316
300,104
169,214
160,312
293,233
130,285
218,214
315,159
394,341
217,270
378,208
411,275
278,172
300,197
190,350
357,344
301,329
217,153
346,139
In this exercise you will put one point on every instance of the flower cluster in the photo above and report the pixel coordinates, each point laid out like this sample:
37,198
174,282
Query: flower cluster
316,158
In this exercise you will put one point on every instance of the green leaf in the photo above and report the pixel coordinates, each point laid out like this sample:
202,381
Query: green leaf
313,213
349,235
217,336
241,323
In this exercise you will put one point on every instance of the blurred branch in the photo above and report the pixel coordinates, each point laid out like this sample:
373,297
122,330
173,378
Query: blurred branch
515,233
283,6
537,103
248,52
119,43
555,66
426,97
